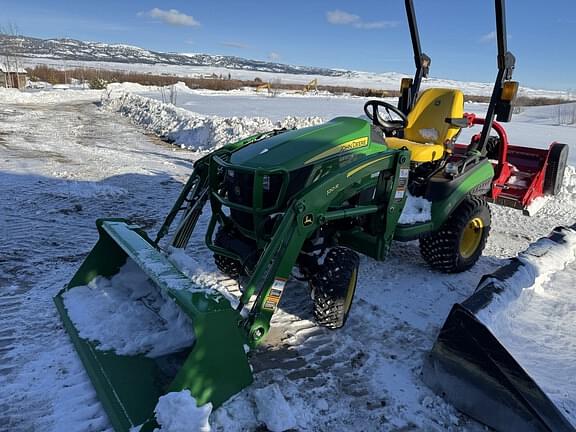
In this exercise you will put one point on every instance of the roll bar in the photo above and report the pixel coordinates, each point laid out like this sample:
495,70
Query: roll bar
506,61
421,60
497,108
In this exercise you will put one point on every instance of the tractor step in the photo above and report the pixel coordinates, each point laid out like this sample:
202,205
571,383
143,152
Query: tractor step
213,368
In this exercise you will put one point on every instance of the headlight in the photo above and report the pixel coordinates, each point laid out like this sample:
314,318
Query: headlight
266,182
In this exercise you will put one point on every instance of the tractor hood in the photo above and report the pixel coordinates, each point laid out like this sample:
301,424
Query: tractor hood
298,148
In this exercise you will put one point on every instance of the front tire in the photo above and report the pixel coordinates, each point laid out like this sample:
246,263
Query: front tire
458,244
228,266
333,287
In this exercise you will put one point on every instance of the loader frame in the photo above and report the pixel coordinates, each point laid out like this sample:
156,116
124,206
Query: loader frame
309,210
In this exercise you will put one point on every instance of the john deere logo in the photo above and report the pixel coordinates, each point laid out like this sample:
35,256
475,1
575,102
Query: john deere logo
354,144
341,148
308,220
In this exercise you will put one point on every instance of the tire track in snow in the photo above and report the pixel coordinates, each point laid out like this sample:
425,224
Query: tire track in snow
41,371
366,375
64,166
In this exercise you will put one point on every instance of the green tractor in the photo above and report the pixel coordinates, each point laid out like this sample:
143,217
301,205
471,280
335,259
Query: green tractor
311,199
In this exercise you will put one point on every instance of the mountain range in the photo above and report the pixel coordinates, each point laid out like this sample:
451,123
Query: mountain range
71,49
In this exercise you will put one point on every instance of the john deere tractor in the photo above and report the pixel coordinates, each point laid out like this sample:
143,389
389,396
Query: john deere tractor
323,194
310,201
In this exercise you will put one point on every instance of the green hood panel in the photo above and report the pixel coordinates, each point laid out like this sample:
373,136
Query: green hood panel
296,148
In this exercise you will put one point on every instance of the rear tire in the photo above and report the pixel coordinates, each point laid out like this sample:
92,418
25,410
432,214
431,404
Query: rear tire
458,244
554,176
333,287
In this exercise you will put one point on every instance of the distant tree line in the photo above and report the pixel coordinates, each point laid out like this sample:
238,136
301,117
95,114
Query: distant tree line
98,78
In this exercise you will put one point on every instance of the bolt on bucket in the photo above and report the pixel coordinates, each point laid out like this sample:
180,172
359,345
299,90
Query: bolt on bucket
143,329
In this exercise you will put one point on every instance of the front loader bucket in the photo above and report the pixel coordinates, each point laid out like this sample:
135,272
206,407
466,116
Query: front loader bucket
476,372
213,368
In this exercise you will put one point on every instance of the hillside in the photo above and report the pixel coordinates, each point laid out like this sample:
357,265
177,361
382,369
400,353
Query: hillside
71,49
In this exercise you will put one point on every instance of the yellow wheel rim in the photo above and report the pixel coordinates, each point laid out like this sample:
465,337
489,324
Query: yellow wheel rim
471,237
350,293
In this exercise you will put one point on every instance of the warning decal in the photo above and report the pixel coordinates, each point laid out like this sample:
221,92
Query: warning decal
273,297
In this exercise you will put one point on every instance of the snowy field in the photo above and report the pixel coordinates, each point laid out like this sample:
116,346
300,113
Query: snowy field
65,161
525,129
358,79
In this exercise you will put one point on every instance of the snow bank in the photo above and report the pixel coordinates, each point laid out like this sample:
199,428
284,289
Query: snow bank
177,412
533,317
15,96
192,130
416,209
568,190
273,410
128,314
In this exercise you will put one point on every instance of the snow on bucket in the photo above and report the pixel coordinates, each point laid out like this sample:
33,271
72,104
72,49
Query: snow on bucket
143,329
505,356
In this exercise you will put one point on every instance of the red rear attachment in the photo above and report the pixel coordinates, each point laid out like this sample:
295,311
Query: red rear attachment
524,176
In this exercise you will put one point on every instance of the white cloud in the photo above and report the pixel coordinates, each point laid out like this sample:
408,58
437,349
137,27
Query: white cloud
341,17
239,45
273,56
488,37
491,37
338,17
172,17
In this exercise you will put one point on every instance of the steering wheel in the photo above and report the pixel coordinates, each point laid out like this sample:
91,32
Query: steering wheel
389,125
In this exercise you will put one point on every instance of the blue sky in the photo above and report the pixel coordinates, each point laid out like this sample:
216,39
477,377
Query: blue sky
369,35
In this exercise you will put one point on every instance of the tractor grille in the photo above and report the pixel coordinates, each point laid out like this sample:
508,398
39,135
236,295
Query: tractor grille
239,187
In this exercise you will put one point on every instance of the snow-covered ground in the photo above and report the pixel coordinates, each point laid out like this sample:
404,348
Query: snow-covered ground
11,95
64,164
